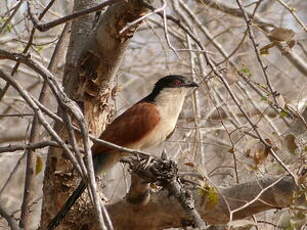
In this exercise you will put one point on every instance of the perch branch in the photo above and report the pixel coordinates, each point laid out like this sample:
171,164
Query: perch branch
164,172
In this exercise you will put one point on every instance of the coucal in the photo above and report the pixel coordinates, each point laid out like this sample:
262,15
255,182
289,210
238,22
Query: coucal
147,123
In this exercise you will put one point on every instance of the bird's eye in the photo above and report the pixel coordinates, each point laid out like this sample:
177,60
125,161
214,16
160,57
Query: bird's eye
177,83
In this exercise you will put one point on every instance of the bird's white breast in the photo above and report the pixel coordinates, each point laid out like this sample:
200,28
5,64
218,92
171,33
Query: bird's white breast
169,103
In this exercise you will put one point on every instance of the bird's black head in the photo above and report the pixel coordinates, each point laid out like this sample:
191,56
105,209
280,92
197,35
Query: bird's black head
174,81
170,81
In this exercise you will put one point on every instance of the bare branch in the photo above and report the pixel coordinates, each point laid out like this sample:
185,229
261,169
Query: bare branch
11,16
10,220
165,173
41,118
135,22
30,182
292,11
38,145
217,72
162,210
49,25
297,61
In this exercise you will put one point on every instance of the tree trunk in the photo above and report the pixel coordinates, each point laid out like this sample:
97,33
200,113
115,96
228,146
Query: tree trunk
90,66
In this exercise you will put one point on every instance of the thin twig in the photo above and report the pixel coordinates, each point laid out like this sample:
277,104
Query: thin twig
292,11
11,174
34,137
253,200
66,104
4,90
26,49
215,43
213,67
38,145
41,118
218,5
73,141
46,26
252,38
32,33
11,16
100,141
100,211
142,18
196,107
10,220
295,59
166,33
17,115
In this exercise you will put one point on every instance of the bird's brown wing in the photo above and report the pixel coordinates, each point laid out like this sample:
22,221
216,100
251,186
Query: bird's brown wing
130,127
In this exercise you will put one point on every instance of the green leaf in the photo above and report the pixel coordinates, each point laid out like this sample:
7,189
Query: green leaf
283,114
39,165
8,27
246,71
39,48
209,194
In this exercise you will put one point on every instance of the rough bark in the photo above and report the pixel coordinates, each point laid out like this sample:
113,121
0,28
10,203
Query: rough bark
93,59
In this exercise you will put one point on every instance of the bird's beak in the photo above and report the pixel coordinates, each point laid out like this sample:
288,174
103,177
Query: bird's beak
191,84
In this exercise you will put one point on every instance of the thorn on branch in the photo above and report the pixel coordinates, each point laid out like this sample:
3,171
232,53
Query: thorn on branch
164,155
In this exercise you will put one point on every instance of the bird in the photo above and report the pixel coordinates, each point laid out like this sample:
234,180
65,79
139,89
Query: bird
147,123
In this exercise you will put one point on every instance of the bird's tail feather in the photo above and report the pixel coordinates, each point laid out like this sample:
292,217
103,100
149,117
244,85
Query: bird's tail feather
102,162
68,204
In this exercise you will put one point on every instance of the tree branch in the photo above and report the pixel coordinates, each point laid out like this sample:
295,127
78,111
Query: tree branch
10,220
164,172
296,60
47,26
30,182
163,211
38,145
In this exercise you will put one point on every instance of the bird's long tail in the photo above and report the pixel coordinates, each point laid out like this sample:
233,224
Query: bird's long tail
102,162
66,207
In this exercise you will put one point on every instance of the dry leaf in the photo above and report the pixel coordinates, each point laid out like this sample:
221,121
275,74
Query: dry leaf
277,36
281,34
290,143
258,152
291,43
190,164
